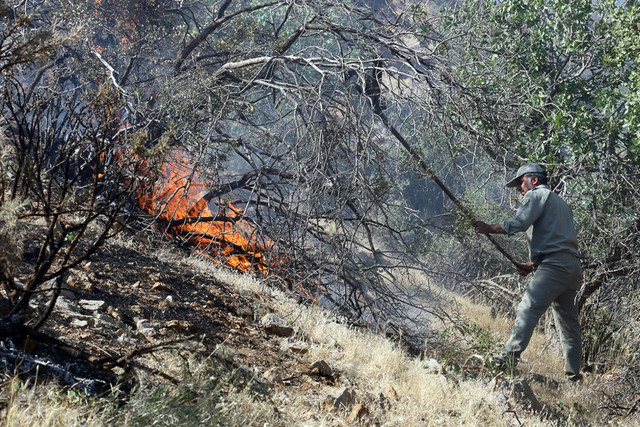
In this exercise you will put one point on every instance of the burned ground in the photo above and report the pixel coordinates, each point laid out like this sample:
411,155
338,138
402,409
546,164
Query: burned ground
131,302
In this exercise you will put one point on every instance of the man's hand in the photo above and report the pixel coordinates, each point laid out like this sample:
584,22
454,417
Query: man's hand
484,228
524,269
481,227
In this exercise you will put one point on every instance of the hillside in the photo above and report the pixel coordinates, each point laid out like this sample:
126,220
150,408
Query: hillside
343,148
188,340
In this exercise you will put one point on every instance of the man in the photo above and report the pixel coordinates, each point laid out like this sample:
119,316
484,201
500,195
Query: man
547,221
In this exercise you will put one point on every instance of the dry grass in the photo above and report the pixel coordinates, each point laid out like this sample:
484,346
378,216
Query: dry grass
396,390
543,356
44,405
375,367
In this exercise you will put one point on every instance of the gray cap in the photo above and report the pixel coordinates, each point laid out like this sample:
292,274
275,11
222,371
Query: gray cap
525,169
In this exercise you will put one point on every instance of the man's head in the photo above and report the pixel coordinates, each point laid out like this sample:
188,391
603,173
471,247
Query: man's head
528,177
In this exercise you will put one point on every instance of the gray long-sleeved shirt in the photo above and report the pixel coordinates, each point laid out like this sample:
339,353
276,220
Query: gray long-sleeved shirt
548,222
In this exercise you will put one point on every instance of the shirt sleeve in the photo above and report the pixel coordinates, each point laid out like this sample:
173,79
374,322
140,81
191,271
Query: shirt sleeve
530,210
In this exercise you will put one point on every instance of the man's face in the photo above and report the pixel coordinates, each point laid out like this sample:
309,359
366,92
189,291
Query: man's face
527,183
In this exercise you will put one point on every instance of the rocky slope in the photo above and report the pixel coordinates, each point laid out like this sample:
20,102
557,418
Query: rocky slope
137,315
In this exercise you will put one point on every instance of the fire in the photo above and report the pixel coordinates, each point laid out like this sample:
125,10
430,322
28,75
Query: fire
117,10
178,201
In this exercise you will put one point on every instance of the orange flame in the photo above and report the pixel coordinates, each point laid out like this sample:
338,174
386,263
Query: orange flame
178,200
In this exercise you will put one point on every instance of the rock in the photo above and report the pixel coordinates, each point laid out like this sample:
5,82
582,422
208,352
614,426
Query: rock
91,305
432,366
181,326
343,398
276,325
79,323
322,368
159,286
67,306
541,379
520,391
296,347
103,320
144,327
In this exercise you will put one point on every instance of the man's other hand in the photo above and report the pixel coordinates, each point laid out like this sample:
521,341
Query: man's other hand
524,269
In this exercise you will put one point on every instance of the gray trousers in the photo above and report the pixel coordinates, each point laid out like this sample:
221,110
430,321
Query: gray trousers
555,283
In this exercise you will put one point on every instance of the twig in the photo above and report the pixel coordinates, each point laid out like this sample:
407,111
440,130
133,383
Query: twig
467,212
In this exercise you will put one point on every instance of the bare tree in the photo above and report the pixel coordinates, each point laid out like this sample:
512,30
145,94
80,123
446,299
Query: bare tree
67,163
291,111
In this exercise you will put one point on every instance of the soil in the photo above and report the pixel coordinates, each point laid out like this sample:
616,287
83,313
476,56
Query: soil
125,304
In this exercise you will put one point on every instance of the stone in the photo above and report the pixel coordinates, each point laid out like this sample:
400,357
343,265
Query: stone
322,368
79,323
276,325
67,306
91,305
159,286
541,379
295,347
144,327
520,391
343,398
525,396
432,366
181,325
